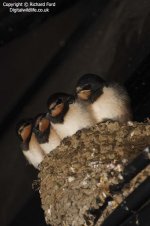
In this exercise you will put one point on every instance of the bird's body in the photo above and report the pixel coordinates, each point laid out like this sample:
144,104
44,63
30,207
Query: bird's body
53,142
105,101
29,144
68,115
45,134
75,119
34,154
113,104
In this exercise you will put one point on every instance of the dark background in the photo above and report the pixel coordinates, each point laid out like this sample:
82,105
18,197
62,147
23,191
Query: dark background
45,53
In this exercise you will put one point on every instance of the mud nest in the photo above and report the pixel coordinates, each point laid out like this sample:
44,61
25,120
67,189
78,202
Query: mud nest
75,178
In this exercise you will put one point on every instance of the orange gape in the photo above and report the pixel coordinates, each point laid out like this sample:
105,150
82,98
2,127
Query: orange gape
84,94
57,110
43,124
26,131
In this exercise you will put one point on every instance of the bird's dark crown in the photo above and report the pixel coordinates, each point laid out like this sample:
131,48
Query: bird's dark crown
92,83
58,105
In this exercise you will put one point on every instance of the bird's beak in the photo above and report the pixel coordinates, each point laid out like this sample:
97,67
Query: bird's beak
44,124
83,94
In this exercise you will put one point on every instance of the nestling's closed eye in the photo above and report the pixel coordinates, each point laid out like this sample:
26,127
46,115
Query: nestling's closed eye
59,101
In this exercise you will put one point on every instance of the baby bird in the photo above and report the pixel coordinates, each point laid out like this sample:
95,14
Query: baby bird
29,145
105,101
45,134
67,115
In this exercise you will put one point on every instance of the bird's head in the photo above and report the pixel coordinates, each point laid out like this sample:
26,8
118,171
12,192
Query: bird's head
41,127
89,87
58,105
24,130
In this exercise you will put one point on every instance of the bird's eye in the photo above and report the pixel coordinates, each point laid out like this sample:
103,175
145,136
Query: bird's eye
59,101
71,100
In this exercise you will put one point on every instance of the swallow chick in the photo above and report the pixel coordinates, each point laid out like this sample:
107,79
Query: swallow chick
29,144
45,134
105,101
67,115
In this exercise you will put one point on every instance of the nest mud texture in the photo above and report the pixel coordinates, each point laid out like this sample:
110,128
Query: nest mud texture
75,179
